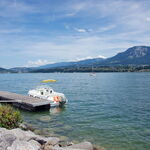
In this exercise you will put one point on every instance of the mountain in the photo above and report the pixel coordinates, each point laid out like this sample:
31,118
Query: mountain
22,69
56,65
86,62
89,62
137,55
134,56
3,70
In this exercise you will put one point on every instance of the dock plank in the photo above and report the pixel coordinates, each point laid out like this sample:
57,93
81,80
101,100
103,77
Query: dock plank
24,101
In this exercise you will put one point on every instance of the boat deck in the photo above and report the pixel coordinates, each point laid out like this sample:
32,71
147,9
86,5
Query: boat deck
24,102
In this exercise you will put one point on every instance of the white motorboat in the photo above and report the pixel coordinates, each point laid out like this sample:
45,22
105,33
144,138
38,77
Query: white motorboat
93,74
46,92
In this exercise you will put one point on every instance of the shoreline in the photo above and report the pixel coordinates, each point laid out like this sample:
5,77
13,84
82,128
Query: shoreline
24,139
78,72
83,69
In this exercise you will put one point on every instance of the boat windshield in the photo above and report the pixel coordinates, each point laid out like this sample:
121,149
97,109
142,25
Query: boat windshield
46,87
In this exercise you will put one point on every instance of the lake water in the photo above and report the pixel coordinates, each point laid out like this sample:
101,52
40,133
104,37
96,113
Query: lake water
110,109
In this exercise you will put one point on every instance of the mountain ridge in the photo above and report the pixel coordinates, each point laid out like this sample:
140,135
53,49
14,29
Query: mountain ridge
137,55
133,56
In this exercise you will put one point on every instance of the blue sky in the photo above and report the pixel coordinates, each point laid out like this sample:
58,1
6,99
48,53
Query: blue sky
37,32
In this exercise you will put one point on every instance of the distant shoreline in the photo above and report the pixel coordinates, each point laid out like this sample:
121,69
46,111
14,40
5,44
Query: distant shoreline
99,69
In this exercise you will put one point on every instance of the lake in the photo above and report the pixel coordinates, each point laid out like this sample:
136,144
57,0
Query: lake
110,109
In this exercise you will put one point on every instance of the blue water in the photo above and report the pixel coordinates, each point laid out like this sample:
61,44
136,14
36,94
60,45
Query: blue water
110,109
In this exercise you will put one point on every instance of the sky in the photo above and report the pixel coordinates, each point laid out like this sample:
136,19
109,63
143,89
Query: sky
38,32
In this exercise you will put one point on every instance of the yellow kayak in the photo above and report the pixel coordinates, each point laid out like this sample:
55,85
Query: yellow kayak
46,81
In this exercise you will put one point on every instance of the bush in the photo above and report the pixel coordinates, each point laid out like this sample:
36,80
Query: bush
9,117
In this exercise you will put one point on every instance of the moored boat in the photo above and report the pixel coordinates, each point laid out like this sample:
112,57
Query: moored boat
46,92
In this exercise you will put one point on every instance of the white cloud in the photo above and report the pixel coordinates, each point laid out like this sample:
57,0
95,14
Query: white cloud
81,30
90,57
38,62
100,56
122,15
106,28
64,48
126,14
148,19
128,23
75,47
84,58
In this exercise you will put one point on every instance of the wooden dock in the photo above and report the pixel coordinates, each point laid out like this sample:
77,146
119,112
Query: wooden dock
24,102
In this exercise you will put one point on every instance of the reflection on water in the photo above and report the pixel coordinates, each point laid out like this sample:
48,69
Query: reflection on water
57,110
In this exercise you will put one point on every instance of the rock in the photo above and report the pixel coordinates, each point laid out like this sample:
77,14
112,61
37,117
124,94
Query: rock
27,135
39,139
80,146
52,141
65,143
69,143
27,126
22,135
31,127
44,132
6,140
23,126
48,147
64,148
35,144
75,141
23,145
2,130
44,119
17,139
44,140
99,148
83,145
